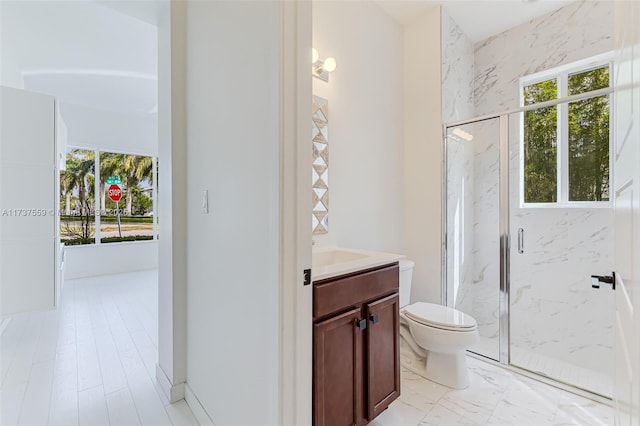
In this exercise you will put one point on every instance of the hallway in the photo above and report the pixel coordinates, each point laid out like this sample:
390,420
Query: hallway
90,362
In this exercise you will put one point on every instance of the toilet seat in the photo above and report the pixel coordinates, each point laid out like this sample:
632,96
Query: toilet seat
438,316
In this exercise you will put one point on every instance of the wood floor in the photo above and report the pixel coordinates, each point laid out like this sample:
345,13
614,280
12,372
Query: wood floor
90,362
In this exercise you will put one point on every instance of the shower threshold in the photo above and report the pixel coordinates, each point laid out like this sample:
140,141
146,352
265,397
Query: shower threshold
590,393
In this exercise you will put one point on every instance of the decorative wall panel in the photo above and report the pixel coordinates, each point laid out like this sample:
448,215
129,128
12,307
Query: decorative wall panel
320,166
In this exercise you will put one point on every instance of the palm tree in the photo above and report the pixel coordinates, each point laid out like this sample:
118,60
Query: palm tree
137,168
79,174
69,180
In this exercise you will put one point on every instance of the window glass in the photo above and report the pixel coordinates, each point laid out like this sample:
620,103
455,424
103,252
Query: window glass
77,198
540,144
131,217
588,81
540,92
589,149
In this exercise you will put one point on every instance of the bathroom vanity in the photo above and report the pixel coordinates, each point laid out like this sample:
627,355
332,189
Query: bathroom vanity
356,359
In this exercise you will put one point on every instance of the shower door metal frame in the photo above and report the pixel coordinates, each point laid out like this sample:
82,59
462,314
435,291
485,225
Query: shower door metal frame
505,239
503,226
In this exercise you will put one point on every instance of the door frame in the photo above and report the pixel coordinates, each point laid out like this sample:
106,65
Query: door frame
296,332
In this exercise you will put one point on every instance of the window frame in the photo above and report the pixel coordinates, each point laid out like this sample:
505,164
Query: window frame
97,208
561,75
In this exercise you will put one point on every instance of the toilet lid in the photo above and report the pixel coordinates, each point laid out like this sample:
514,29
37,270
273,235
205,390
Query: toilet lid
440,316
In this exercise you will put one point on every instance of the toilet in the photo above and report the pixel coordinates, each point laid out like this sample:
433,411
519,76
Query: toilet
434,338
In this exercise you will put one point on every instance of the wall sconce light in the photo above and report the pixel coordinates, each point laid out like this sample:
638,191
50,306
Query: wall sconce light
321,68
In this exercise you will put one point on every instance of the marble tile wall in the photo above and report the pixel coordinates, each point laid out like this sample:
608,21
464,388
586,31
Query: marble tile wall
457,104
576,31
554,310
457,71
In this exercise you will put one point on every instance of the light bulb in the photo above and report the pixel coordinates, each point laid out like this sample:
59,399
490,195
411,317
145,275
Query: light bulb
329,64
314,55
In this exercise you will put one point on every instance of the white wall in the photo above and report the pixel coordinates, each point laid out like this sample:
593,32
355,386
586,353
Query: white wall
172,275
365,96
10,74
112,258
232,118
423,154
110,131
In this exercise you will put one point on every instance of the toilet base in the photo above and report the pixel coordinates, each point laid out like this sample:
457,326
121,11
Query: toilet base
446,369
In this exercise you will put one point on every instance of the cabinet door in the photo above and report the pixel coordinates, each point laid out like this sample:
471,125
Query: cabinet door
337,370
28,202
383,352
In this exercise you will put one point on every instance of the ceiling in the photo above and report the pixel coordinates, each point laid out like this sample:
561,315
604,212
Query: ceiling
479,19
124,93
84,52
103,54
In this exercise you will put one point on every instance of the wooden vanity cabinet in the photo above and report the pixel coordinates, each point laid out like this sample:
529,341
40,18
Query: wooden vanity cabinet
356,352
383,354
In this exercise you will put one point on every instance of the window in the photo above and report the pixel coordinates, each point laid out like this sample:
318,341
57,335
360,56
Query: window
77,198
565,148
131,218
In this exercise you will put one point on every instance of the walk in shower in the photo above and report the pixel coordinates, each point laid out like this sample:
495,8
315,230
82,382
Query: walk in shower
522,266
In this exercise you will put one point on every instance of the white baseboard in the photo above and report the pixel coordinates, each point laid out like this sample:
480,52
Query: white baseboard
173,392
196,407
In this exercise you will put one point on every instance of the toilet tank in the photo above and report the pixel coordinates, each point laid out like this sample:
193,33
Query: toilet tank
406,271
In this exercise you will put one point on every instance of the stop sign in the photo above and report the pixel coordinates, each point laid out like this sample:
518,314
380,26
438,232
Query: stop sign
115,193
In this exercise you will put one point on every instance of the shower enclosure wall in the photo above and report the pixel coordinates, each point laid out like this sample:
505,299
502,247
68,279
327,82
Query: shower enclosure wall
523,272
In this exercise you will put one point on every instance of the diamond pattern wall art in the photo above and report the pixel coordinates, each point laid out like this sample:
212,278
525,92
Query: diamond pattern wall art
320,166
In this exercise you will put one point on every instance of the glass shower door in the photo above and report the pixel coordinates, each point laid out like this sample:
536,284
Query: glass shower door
472,231
560,327
528,222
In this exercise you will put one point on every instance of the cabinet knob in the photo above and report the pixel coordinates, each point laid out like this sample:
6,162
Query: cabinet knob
374,318
361,324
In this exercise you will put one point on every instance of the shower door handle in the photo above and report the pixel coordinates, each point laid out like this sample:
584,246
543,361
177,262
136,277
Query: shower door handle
605,279
520,240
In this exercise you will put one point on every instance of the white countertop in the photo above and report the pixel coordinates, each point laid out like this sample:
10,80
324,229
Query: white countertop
346,260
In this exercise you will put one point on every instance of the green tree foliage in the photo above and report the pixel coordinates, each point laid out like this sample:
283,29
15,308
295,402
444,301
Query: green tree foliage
132,169
540,144
77,190
588,140
78,178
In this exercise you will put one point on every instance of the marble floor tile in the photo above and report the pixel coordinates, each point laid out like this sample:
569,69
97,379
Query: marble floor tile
573,410
402,414
496,396
440,415
431,391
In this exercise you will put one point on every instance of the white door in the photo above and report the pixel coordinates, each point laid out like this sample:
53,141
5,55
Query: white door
626,193
28,196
